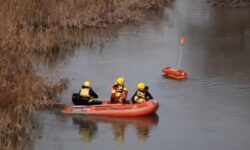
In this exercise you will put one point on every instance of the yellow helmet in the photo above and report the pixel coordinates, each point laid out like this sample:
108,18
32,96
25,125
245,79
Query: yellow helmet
120,80
87,83
140,86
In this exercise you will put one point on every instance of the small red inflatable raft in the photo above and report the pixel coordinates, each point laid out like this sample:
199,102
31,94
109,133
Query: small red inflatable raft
175,73
118,110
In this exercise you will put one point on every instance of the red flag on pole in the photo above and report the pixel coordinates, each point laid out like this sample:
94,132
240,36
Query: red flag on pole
182,40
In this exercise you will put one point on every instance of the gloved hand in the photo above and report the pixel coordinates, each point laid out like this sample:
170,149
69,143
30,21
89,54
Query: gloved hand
120,100
91,100
141,100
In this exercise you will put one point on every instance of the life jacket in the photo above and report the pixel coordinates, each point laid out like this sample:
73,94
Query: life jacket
140,96
118,90
85,92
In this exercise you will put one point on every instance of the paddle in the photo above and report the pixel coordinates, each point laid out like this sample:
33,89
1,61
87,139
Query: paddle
103,105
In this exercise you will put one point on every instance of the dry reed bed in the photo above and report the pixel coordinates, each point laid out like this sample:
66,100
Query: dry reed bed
31,28
16,132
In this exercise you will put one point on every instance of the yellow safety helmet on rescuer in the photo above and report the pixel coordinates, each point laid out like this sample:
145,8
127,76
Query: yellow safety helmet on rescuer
120,80
87,83
141,86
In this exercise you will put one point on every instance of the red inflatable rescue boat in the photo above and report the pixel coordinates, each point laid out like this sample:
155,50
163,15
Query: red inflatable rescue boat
175,73
118,110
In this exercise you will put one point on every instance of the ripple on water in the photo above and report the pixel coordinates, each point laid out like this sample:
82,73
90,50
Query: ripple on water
226,87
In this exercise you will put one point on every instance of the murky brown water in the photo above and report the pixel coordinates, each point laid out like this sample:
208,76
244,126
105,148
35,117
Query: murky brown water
208,111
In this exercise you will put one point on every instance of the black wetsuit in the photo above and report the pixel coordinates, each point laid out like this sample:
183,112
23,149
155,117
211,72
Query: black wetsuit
145,95
86,100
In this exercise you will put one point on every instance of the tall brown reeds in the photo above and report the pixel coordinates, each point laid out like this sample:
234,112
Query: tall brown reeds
21,90
38,28
16,131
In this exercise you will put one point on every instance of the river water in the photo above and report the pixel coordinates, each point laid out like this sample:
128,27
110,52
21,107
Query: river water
208,111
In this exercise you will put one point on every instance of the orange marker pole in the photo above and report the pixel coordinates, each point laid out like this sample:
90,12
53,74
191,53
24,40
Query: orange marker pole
182,41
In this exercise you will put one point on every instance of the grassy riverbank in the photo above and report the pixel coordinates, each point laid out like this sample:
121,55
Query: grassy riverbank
30,29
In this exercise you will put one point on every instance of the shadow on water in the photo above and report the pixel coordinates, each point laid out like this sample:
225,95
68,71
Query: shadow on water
88,126
73,41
